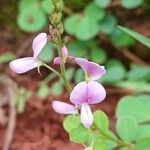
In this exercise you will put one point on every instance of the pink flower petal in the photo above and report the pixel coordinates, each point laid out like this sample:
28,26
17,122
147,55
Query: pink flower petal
86,115
96,93
63,108
23,65
56,61
65,52
92,70
38,43
79,93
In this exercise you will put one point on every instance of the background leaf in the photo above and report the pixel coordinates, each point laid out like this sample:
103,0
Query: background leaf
28,21
137,107
127,128
129,4
6,57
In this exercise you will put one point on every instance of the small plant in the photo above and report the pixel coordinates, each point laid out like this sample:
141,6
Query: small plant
84,127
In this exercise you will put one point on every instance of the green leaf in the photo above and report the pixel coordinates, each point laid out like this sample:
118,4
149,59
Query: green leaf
98,55
130,4
86,29
101,120
27,3
127,128
134,86
47,6
31,19
143,131
108,24
144,40
115,72
57,88
79,135
79,76
71,23
136,107
92,10
121,39
71,122
143,144
43,91
69,73
6,57
47,53
103,3
138,73
99,143
77,49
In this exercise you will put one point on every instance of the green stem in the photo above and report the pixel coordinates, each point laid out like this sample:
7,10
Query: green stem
62,65
50,68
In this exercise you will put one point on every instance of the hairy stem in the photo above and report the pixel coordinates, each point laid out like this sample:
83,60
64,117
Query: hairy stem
62,65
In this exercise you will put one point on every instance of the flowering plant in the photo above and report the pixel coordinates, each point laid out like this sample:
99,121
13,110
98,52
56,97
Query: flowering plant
84,127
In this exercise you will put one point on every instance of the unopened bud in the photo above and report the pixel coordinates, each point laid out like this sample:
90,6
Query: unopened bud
59,5
60,28
56,18
66,40
54,35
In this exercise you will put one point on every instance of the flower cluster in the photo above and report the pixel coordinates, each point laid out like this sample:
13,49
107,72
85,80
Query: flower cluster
83,94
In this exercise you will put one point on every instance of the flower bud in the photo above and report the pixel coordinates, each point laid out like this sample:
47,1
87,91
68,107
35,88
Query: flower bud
59,5
56,18
66,40
54,35
60,28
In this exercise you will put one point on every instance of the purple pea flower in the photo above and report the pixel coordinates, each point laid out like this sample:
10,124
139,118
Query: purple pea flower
56,60
83,94
93,71
23,65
